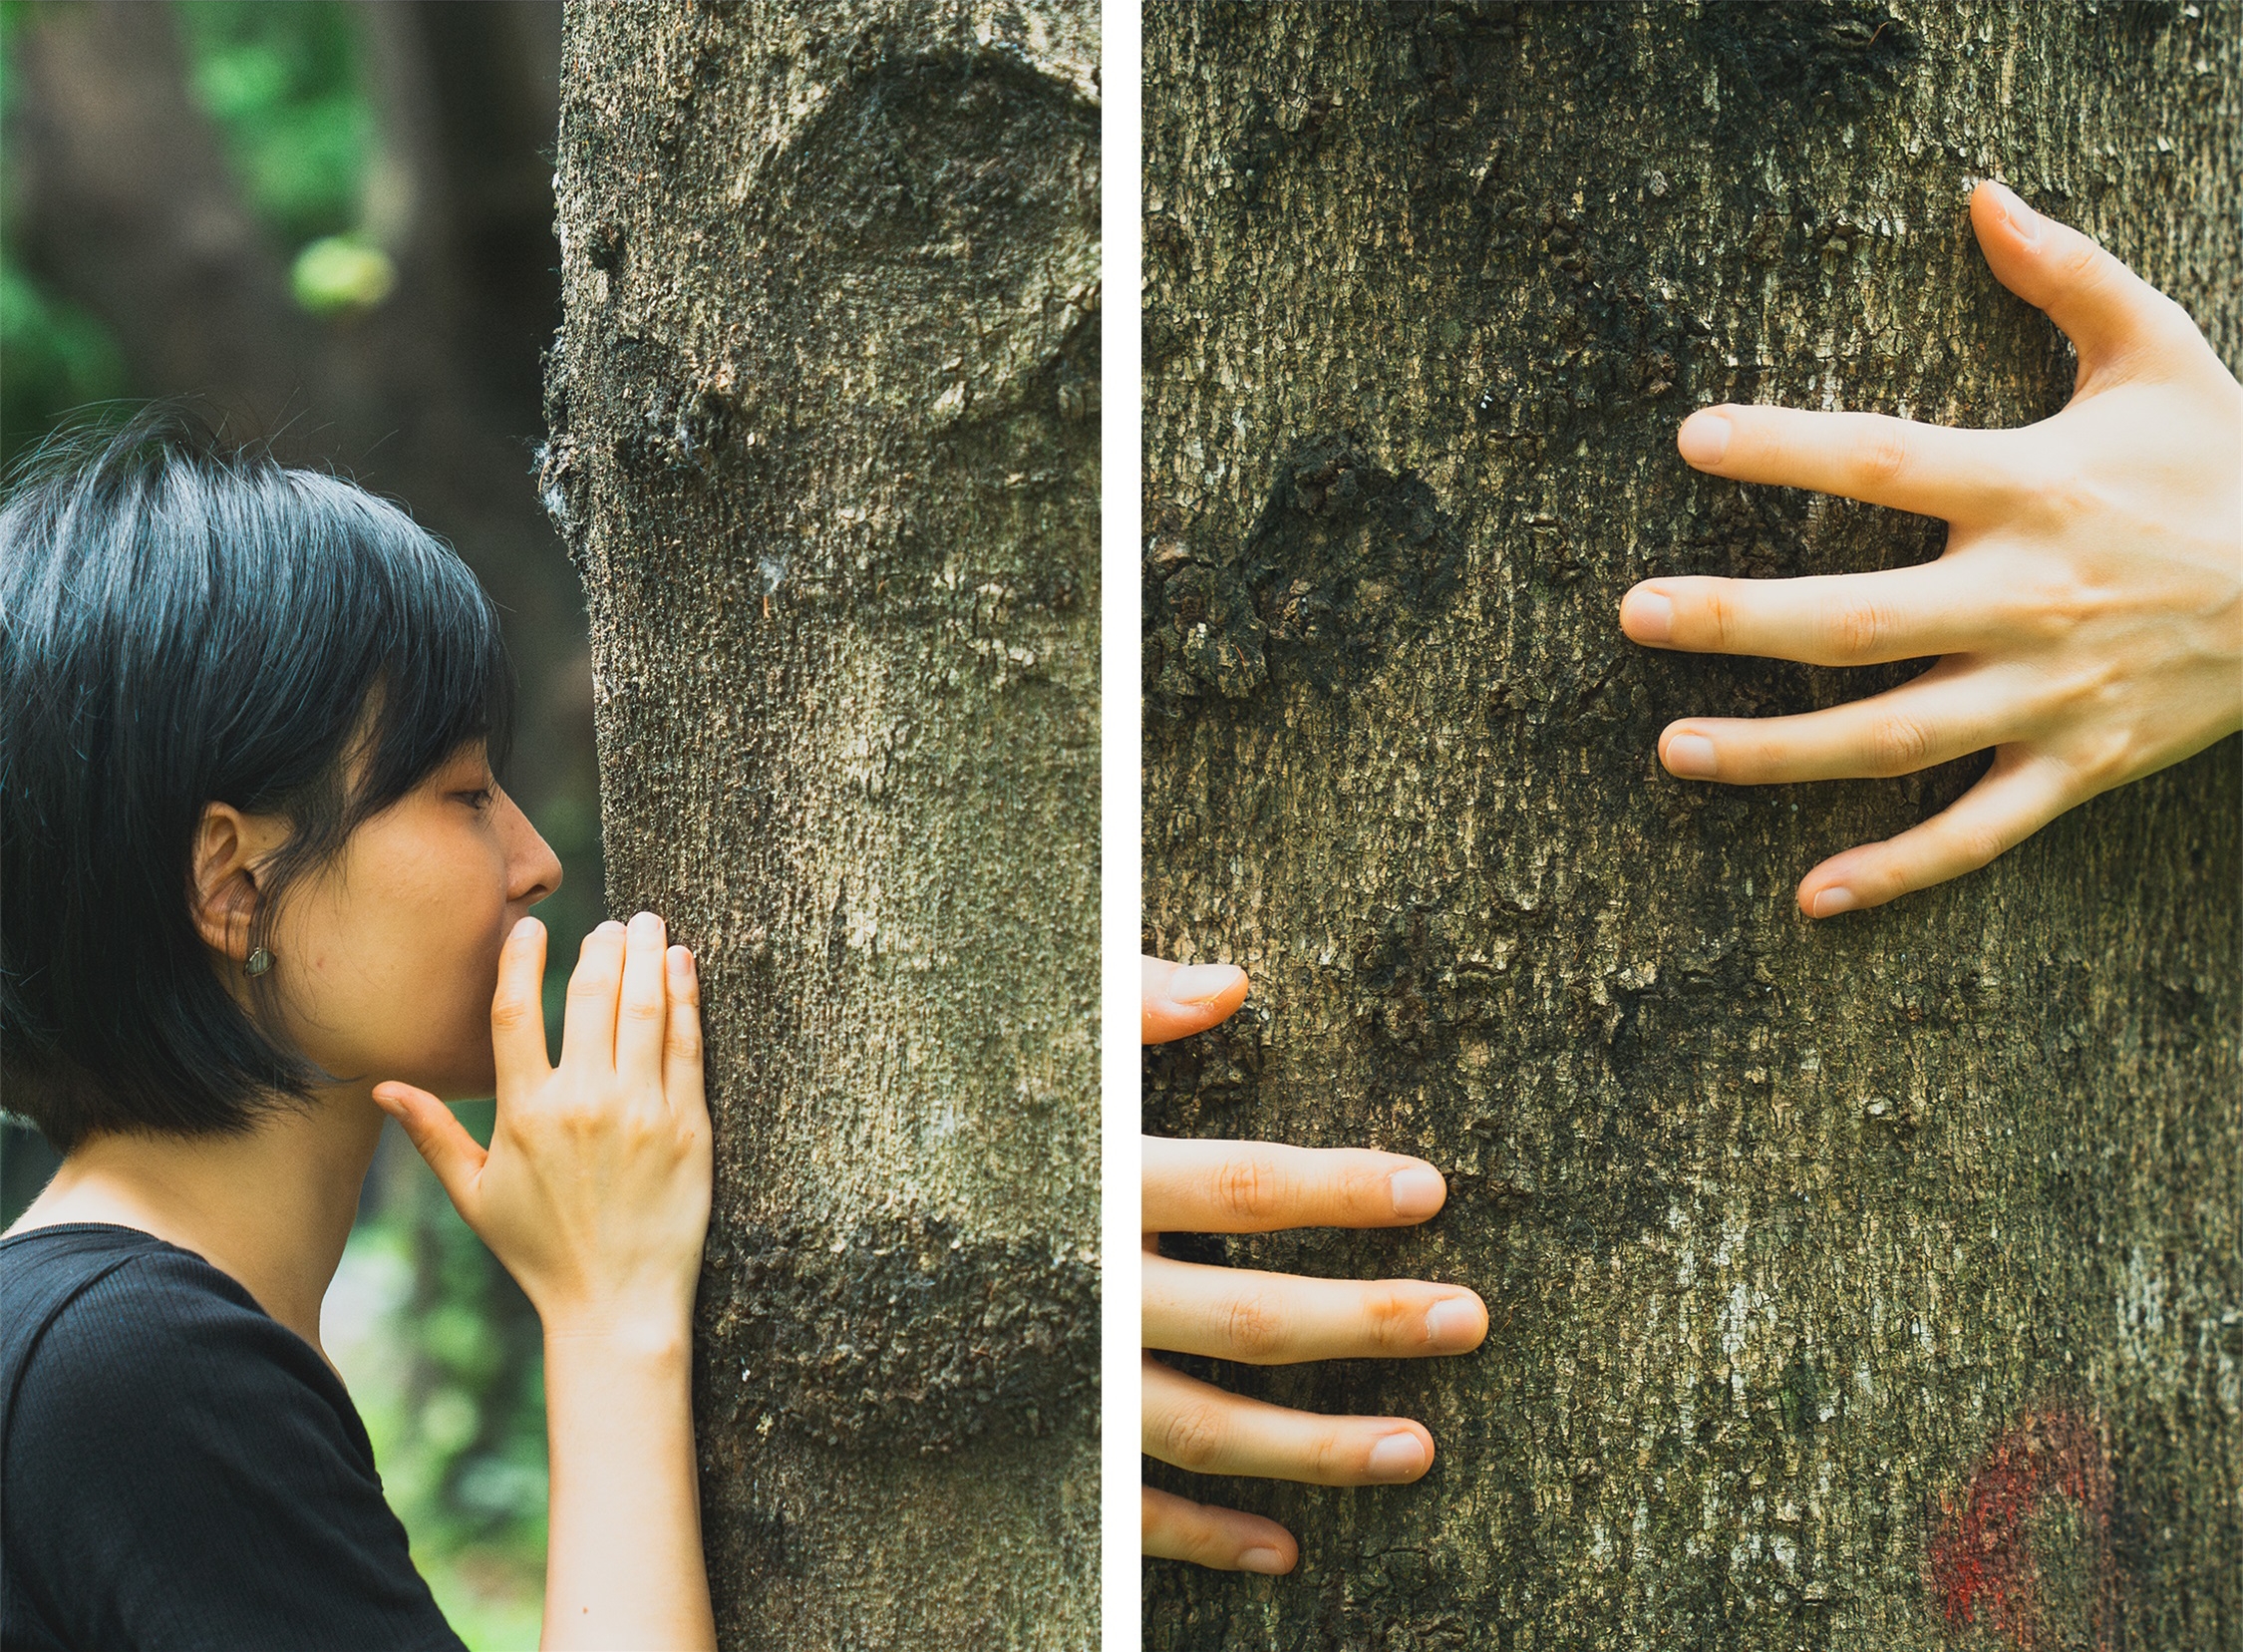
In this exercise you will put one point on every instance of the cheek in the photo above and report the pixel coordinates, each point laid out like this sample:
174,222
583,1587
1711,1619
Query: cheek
405,967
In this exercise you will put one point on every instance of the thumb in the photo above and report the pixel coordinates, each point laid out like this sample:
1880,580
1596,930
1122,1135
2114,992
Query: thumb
441,1140
2106,309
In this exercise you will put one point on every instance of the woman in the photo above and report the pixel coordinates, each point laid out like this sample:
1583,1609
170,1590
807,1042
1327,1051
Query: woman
260,887
2088,615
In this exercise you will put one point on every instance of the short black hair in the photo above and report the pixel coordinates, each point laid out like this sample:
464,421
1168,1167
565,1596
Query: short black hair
180,623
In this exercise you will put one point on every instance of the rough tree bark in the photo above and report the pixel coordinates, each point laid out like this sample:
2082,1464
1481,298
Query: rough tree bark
1870,1283
823,444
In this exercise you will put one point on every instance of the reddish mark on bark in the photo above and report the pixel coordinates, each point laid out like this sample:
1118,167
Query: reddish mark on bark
1981,1562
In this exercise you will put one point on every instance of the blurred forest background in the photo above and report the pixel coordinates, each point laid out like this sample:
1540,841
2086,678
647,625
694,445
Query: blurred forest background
333,223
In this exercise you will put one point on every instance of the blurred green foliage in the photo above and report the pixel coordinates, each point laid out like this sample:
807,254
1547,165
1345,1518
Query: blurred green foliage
53,356
283,85
441,1352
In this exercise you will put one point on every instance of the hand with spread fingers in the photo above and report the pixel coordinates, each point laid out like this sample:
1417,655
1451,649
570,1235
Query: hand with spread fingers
1271,1318
2087,613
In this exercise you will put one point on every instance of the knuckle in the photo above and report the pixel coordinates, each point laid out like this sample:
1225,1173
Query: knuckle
1248,1189
1973,843
2083,263
580,1116
1333,1456
1898,745
509,1013
644,1010
1394,1319
1192,1437
1254,1326
685,1039
1858,631
1881,453
1721,617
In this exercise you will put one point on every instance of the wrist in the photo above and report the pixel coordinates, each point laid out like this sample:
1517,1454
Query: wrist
638,1336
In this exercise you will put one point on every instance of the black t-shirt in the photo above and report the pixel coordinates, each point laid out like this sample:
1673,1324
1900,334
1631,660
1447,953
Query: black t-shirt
179,1469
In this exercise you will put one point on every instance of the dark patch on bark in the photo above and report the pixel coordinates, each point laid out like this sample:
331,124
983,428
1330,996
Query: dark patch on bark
899,1336
1347,561
1807,59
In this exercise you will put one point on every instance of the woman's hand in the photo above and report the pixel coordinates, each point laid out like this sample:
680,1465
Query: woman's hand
1272,1318
594,1194
2087,609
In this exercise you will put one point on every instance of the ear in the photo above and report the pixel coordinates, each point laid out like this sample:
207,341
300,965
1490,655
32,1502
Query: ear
230,847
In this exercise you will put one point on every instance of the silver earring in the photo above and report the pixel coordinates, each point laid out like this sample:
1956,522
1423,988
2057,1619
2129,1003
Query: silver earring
259,961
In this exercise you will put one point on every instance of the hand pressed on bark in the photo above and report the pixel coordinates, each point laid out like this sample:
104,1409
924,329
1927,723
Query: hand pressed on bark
594,1194
1269,1318
2088,610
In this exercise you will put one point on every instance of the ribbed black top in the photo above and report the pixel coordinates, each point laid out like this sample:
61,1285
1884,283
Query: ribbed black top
179,1469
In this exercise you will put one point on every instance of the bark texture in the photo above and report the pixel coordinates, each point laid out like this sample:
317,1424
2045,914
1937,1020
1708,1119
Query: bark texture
823,443
1875,1283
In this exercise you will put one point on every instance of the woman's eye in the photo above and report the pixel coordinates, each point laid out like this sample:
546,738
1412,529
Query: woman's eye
477,800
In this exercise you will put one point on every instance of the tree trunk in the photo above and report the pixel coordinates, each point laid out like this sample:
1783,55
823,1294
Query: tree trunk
824,446
1868,1283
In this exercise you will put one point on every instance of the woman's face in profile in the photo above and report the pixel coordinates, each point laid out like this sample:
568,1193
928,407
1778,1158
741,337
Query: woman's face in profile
385,960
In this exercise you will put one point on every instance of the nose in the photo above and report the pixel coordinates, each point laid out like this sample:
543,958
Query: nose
533,870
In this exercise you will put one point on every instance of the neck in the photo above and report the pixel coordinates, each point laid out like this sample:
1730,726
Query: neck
271,1207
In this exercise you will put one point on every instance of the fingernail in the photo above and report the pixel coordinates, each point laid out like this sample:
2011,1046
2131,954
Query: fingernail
1397,1457
522,928
1416,1192
1202,984
2023,218
1648,616
1453,1322
608,924
1704,439
1267,1561
1690,755
1833,900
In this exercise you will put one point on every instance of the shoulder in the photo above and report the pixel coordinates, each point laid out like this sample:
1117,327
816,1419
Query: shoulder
135,1350
178,1468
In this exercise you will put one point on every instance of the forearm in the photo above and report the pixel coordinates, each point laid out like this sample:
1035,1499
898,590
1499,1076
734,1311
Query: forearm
623,1564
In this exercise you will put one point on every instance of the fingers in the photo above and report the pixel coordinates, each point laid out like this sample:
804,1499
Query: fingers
1927,720
1932,470
2106,309
455,1156
517,1011
1176,1528
589,1027
1259,1186
1181,999
1837,619
682,1083
642,1012
2016,797
1199,1427
1278,1319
